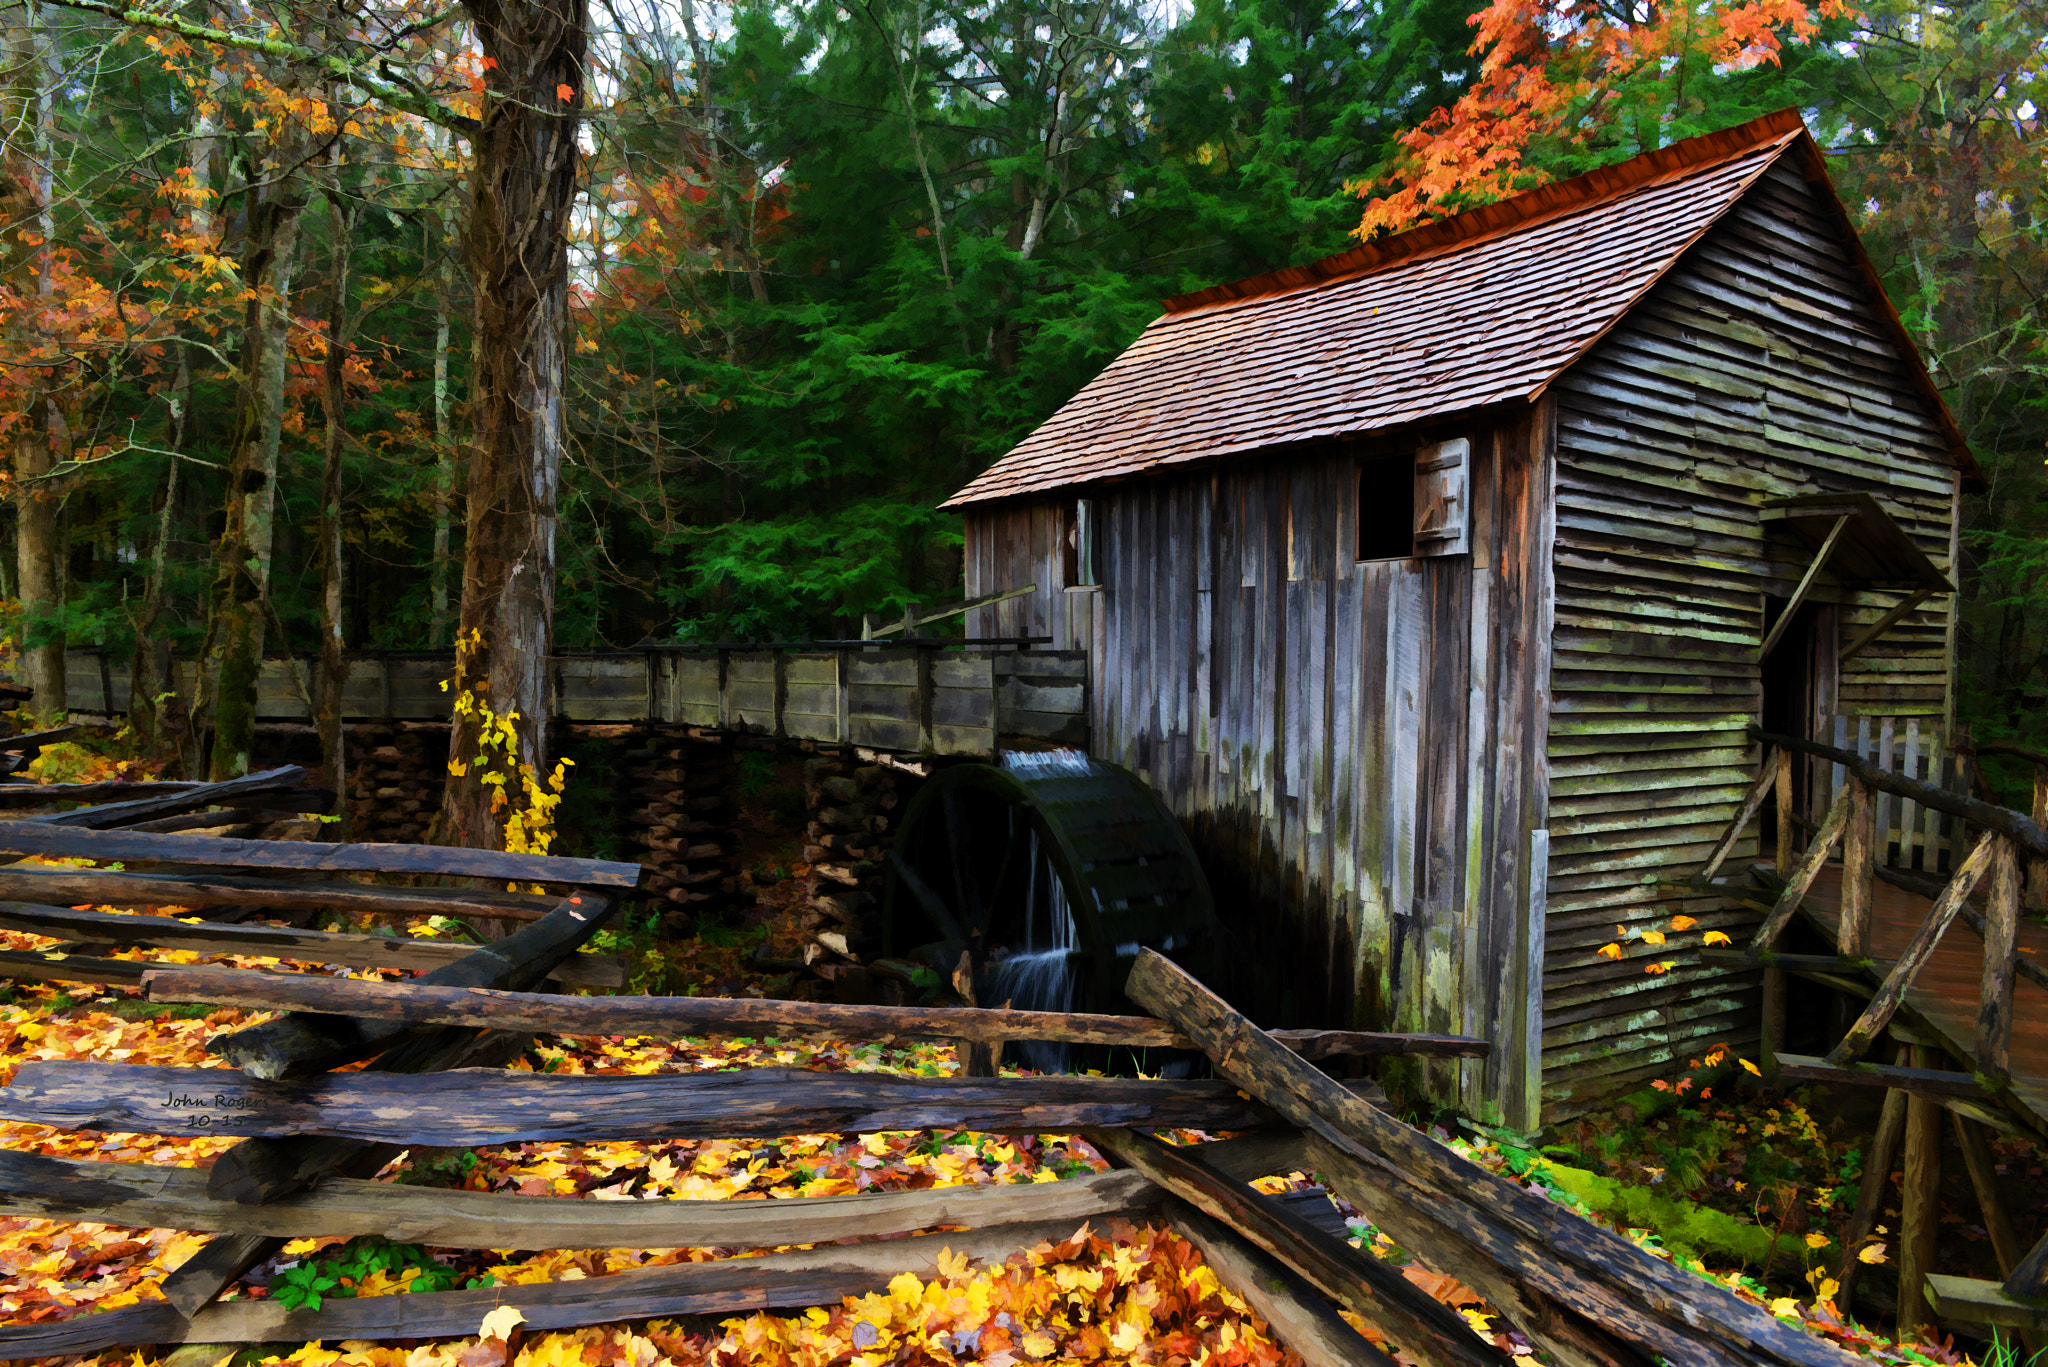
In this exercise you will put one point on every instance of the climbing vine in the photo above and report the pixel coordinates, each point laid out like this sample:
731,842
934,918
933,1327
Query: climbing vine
524,801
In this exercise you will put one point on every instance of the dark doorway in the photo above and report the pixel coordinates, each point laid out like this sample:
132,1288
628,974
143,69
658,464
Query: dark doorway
1798,682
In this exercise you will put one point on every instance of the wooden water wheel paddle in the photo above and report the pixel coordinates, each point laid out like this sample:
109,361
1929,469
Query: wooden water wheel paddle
1051,872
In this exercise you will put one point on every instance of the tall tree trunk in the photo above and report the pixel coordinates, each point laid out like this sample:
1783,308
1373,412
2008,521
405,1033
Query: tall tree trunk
333,663
39,548
150,678
234,635
524,187
444,462
149,672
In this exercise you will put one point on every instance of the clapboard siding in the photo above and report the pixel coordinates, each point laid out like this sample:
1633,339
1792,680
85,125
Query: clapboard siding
1757,368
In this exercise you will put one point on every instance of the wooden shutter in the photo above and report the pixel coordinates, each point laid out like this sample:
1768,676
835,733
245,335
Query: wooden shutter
1443,499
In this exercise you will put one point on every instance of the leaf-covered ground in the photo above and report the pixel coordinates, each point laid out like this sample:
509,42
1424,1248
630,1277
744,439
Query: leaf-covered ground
1117,1293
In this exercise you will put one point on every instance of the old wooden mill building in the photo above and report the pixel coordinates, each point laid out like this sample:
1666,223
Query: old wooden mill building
1436,584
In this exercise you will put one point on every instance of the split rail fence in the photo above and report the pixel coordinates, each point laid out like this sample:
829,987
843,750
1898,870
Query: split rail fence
1992,849
311,1137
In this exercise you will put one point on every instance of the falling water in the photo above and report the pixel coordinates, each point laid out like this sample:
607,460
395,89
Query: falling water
1041,973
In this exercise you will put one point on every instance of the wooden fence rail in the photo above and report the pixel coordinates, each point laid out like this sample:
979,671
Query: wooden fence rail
311,1138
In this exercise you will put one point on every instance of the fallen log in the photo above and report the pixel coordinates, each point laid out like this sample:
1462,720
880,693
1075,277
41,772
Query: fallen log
416,1003
1301,1318
46,841
69,887
144,1196
1612,1287
1423,1328
482,1106
727,1286
309,946
173,802
301,1043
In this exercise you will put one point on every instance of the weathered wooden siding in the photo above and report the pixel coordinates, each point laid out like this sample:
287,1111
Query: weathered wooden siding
1357,747
1755,369
1011,545
888,696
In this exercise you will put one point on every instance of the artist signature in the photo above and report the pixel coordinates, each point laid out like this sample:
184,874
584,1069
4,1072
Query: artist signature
224,1102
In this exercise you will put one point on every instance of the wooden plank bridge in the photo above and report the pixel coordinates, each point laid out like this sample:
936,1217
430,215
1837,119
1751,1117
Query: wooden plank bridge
1966,1003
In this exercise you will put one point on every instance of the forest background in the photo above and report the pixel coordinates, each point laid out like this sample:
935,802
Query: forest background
827,260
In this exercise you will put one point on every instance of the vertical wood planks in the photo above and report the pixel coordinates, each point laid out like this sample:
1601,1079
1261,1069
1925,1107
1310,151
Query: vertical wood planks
2001,938
1853,934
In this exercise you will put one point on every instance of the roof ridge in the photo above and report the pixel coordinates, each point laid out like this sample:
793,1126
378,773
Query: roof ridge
1685,157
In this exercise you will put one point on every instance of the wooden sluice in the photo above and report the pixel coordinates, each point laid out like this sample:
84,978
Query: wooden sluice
1949,964
931,695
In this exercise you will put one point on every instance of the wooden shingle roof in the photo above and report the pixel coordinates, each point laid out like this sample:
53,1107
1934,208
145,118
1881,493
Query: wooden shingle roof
1485,308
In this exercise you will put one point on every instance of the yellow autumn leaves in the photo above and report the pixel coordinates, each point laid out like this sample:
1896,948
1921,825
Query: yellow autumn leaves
1657,939
518,794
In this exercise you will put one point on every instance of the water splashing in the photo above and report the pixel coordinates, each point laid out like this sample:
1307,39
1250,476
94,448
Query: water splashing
1047,763
1041,973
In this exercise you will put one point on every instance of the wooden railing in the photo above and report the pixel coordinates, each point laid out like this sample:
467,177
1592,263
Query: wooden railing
2003,848
1908,834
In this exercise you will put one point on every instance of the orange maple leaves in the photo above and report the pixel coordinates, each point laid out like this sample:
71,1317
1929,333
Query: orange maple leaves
1556,73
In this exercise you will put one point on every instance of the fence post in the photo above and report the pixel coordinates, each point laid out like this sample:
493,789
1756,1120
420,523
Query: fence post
2037,869
2001,937
1852,936
1785,828
1919,1204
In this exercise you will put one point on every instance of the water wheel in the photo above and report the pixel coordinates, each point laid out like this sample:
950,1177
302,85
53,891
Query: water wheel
1049,871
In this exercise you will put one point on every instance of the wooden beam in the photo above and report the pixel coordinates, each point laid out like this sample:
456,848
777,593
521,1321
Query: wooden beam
1980,1302
727,1286
1299,1317
1875,1190
1912,600
1751,804
1802,877
310,946
1827,548
1607,1286
1926,1082
911,623
1892,991
1852,920
119,887
419,1003
1919,1205
29,741
300,1043
2015,825
1993,1049
35,794
483,1107
1983,1169
145,1196
58,842
1425,1329
156,805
